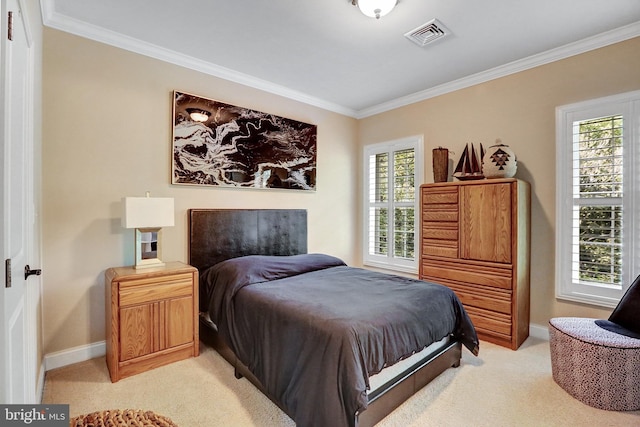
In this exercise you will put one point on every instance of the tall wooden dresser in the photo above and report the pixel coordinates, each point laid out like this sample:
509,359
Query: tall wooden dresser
475,240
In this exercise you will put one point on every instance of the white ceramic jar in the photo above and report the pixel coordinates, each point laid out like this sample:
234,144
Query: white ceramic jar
499,161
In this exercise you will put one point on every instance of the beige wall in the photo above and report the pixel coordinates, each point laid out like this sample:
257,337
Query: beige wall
107,134
519,109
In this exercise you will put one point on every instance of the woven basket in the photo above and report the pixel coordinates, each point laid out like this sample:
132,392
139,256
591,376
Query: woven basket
124,418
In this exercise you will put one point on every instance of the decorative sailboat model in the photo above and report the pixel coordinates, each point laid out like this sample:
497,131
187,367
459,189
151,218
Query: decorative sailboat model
468,166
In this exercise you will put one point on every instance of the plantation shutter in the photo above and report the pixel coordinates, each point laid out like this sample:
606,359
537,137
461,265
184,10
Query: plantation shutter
597,198
404,197
379,204
390,205
597,236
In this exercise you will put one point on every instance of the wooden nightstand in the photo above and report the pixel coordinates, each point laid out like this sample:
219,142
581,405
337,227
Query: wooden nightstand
151,317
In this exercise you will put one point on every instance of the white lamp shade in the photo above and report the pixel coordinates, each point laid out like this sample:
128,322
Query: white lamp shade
376,8
147,212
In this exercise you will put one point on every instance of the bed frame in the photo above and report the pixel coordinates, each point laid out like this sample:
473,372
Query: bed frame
219,234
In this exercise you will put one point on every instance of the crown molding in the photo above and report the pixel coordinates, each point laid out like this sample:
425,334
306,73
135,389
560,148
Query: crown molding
60,22
601,40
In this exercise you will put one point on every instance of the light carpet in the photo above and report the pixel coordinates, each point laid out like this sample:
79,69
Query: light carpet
499,388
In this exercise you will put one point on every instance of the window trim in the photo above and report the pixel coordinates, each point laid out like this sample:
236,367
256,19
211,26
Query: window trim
389,262
627,105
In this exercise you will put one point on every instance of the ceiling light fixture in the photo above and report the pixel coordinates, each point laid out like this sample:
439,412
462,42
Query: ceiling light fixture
375,8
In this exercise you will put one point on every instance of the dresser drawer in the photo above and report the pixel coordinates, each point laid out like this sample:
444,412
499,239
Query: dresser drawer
476,274
439,200
440,250
481,296
441,215
438,195
440,239
152,292
440,230
490,322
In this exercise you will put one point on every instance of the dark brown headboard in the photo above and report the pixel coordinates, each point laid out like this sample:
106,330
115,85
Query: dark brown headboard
219,234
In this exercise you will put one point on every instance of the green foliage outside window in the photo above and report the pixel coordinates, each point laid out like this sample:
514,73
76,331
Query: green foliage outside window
403,193
600,177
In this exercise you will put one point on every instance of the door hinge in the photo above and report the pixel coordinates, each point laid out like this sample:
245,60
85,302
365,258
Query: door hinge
10,26
7,273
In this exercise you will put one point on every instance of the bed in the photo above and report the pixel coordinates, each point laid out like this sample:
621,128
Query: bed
300,327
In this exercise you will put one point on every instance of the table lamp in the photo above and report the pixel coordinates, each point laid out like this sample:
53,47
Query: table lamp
148,215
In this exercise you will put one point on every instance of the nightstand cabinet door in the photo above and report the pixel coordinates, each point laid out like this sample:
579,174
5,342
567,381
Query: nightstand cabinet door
151,317
136,331
180,329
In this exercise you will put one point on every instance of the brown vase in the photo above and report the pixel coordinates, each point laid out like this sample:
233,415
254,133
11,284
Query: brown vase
440,164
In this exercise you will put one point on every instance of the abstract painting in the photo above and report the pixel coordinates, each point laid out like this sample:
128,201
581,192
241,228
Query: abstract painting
224,145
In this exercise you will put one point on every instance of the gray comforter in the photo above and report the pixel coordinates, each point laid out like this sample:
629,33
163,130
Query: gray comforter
313,330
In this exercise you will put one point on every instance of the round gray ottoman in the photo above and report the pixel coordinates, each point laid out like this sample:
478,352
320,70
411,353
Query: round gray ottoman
596,366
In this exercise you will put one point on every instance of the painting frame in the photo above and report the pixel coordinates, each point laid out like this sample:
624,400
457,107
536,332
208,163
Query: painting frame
216,144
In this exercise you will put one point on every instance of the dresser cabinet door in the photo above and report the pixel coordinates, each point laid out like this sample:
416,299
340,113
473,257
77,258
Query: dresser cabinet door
485,229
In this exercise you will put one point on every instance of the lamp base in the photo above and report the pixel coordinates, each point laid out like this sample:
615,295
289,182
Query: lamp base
149,263
148,249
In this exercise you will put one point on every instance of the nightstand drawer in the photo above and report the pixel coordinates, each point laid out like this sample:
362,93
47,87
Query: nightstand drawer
156,280
149,293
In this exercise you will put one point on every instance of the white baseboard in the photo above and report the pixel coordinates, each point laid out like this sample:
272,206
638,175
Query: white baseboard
40,384
539,331
74,355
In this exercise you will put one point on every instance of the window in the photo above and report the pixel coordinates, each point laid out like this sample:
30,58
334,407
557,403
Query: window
393,172
598,198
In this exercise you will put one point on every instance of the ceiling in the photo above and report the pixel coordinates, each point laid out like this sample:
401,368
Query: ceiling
326,53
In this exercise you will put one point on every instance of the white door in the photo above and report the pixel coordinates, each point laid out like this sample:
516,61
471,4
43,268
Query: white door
17,358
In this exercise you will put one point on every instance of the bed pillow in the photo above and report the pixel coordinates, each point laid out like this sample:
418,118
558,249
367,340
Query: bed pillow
229,276
263,268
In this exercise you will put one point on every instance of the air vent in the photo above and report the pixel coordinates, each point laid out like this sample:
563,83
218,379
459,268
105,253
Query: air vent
428,33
